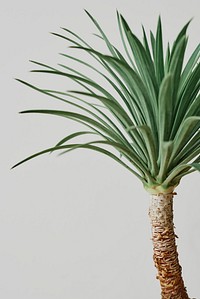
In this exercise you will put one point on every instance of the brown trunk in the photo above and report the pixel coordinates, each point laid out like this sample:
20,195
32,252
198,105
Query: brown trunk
164,247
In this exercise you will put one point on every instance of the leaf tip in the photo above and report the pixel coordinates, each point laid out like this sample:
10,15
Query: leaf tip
86,11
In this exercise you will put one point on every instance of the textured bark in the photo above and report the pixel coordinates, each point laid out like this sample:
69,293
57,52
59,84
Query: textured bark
164,247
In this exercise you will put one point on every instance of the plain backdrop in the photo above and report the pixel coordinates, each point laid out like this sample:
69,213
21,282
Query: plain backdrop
76,226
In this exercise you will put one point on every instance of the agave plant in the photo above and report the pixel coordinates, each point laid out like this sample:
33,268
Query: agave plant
146,117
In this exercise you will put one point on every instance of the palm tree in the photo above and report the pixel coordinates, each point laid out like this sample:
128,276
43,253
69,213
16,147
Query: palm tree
144,112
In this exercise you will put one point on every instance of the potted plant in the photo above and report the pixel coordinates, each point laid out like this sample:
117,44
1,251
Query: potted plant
146,117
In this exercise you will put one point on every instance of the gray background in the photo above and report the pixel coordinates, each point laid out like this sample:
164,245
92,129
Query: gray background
76,227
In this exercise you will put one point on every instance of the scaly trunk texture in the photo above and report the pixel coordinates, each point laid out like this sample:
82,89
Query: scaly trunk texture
164,247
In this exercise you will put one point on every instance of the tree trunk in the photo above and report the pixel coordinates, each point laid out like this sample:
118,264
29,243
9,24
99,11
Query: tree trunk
164,247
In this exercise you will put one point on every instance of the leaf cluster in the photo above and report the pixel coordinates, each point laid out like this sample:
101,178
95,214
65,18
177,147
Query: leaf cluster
147,116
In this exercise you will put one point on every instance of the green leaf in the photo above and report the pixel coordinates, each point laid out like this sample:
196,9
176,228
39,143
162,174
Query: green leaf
189,67
144,63
176,64
165,154
109,45
181,34
188,150
73,135
146,45
153,44
159,61
52,93
136,160
151,148
167,60
182,168
75,116
76,146
165,108
124,42
186,105
186,131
